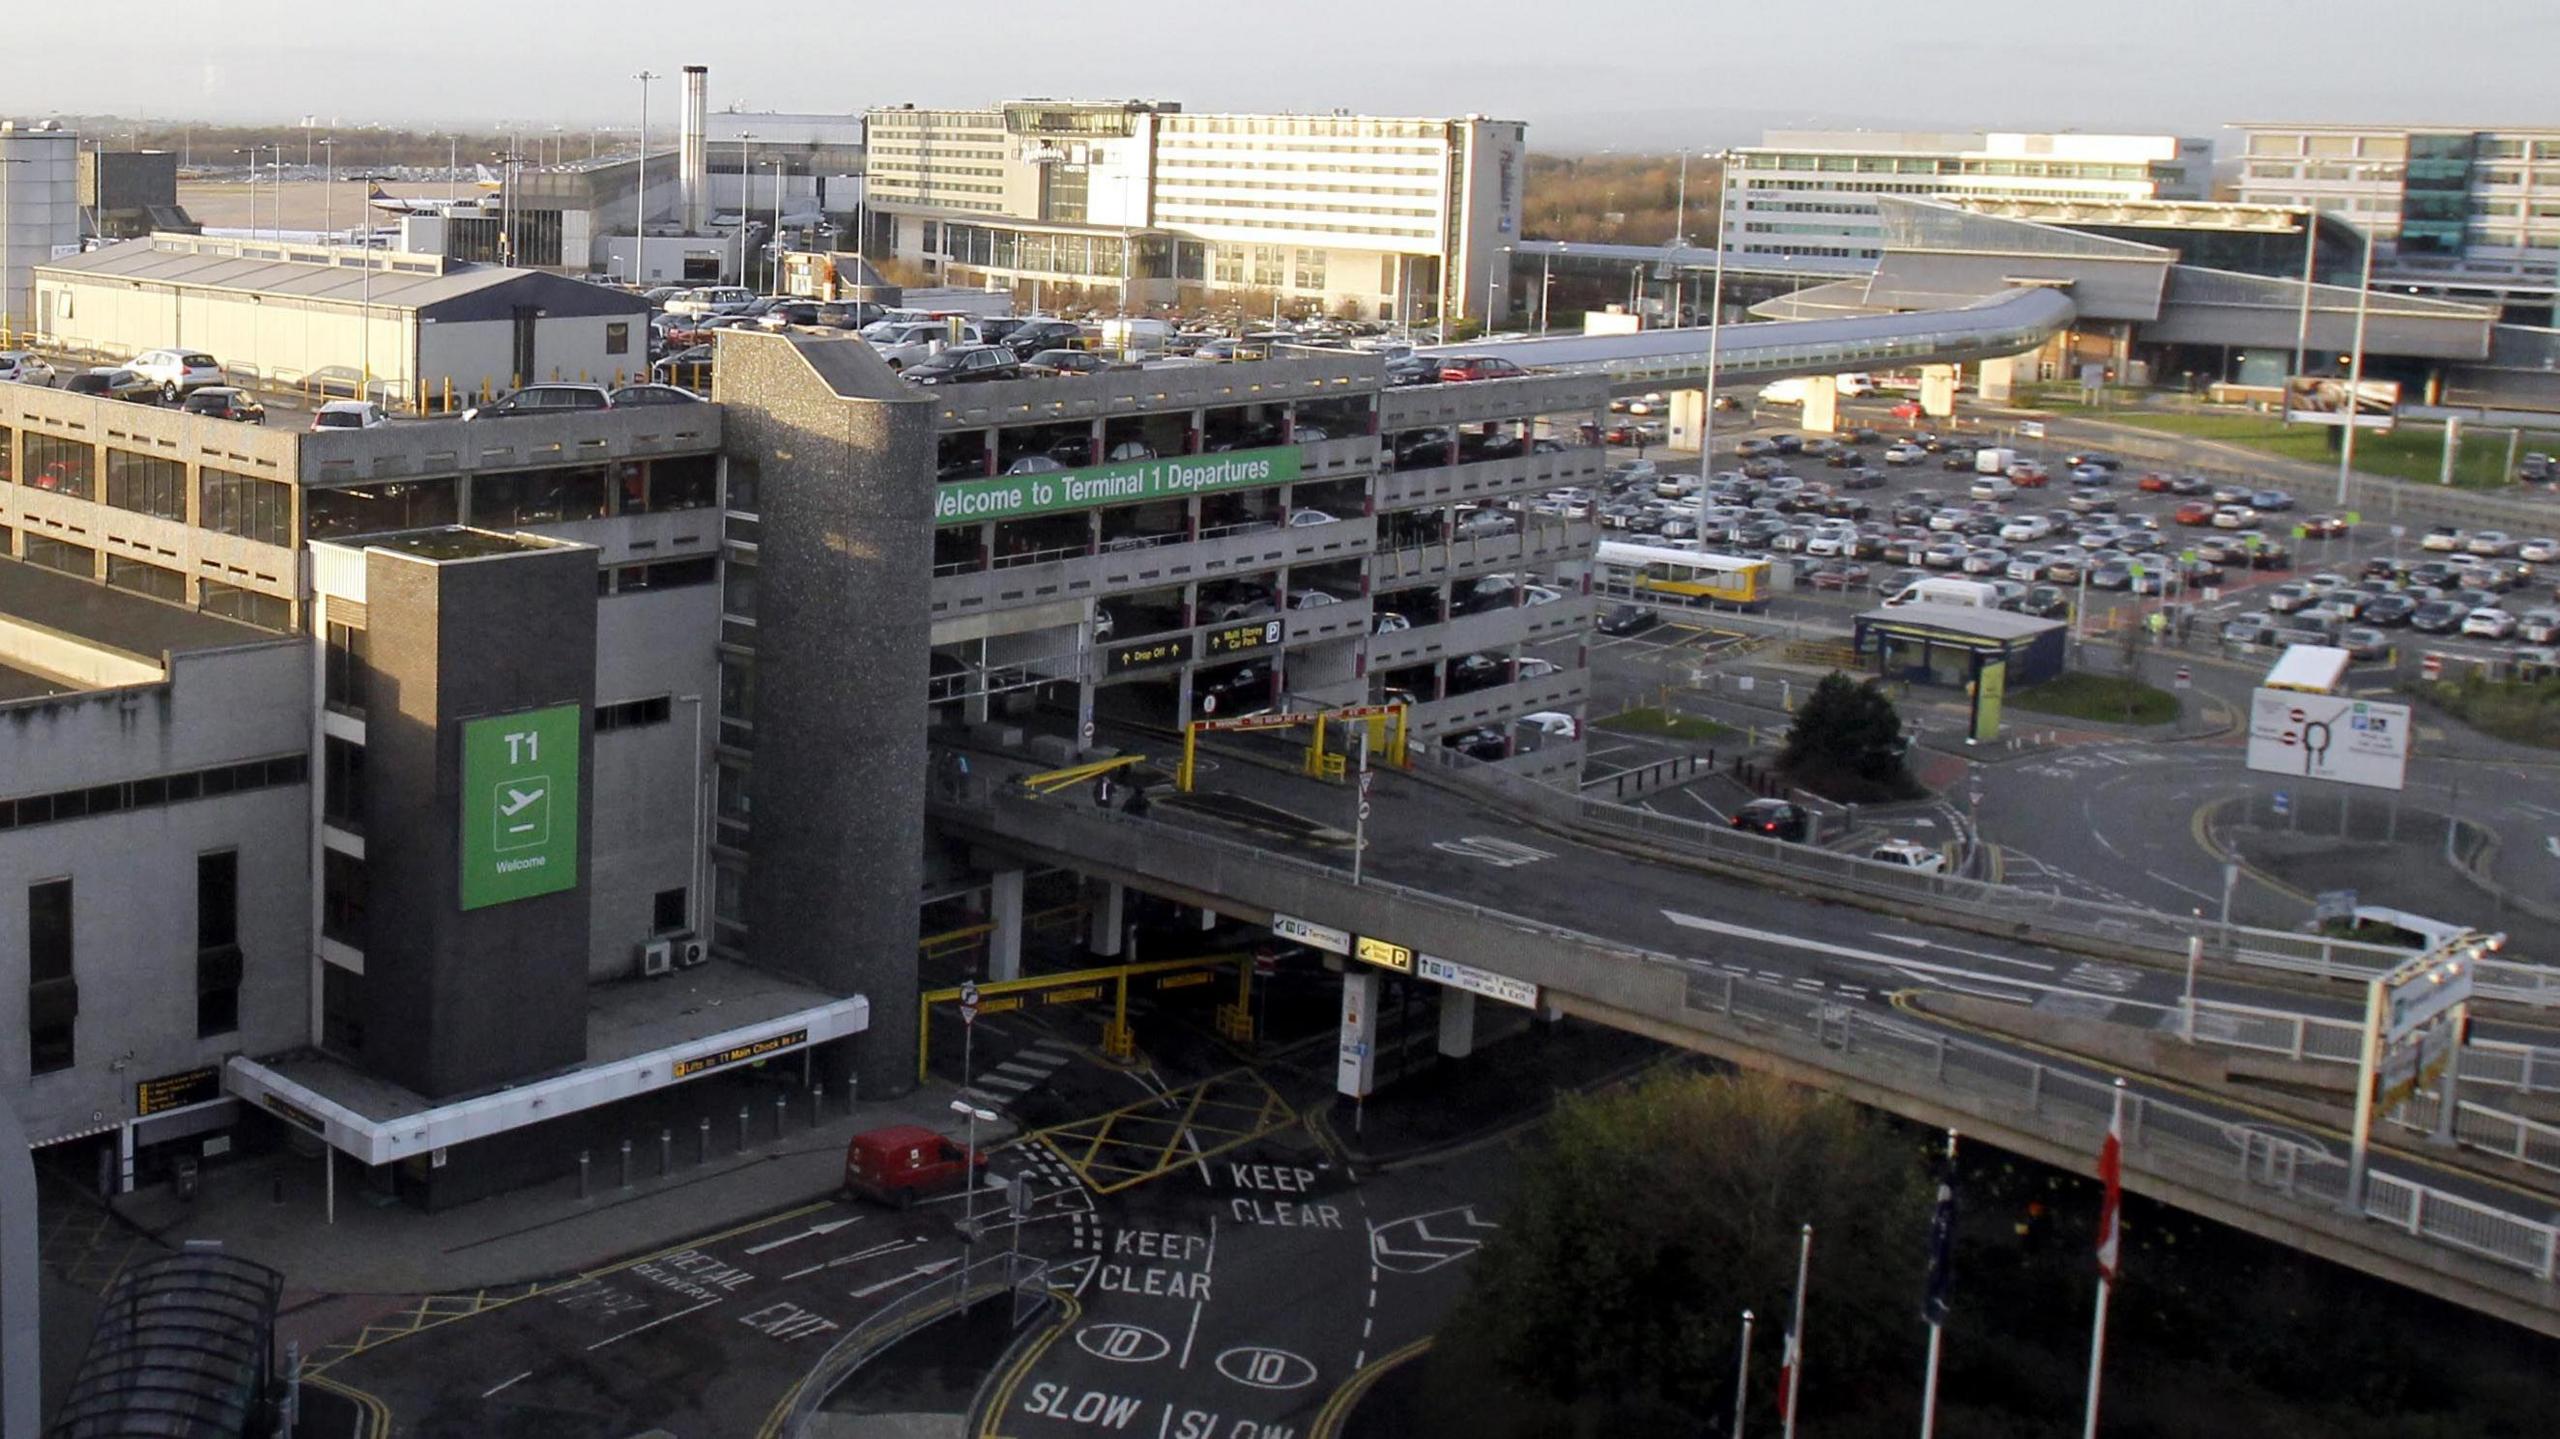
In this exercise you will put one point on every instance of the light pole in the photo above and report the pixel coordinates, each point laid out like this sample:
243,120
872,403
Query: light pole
746,168
252,153
776,271
328,183
1546,286
969,1204
2355,369
640,200
1715,349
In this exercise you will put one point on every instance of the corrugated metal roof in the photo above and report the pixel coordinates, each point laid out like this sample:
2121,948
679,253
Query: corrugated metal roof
162,262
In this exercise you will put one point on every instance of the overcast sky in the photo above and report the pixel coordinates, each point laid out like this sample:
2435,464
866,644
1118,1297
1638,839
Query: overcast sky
1585,74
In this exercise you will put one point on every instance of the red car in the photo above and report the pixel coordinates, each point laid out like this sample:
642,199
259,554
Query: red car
2322,527
1478,367
897,1164
2153,482
2193,512
1907,410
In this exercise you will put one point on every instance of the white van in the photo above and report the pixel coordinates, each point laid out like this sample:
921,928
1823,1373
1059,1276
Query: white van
1972,594
1995,460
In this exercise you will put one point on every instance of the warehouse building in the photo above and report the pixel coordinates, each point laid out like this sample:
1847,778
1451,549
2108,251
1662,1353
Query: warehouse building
426,329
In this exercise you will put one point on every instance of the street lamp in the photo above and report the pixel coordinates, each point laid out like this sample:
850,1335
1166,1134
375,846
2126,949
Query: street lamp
746,169
640,198
2355,368
1715,344
776,271
969,1204
1546,285
328,182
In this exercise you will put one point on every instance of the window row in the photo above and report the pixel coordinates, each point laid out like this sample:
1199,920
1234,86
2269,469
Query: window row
153,793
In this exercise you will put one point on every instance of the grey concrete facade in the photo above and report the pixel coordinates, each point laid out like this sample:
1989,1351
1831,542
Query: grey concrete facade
833,454
453,999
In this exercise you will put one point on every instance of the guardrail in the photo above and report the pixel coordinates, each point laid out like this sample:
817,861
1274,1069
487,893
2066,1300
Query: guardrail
939,1298
2178,1143
2318,1039
1970,902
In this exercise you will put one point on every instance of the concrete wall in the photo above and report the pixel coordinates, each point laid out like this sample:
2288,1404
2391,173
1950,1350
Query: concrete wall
839,453
133,876
39,209
648,780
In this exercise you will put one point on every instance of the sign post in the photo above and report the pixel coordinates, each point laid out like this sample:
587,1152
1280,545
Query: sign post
1360,815
2402,1010
968,1030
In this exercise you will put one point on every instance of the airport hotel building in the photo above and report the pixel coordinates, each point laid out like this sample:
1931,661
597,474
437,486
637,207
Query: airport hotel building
1354,214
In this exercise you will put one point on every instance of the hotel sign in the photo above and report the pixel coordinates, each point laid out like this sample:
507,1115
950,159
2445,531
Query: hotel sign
1012,497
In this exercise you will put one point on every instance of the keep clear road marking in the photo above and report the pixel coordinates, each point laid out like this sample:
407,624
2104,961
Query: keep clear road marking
830,1227
1897,963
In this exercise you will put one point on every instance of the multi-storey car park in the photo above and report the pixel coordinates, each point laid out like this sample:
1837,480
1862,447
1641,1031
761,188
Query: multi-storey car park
397,781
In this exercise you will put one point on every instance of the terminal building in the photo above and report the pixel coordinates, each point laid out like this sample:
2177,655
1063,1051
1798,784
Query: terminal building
1813,192
310,835
1361,216
2461,214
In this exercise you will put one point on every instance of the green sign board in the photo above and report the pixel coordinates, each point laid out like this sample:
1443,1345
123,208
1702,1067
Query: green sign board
519,805
1010,497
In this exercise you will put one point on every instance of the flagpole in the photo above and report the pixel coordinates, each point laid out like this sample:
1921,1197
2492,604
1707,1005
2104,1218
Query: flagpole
2109,1160
1742,1375
1794,1376
1937,1329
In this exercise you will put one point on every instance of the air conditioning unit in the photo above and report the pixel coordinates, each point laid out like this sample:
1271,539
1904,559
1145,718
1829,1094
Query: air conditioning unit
689,951
657,956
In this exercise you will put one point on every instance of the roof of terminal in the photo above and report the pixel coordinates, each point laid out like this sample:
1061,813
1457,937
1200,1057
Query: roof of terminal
113,618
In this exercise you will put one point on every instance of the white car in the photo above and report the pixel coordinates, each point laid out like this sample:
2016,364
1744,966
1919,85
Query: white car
2489,624
2534,551
901,345
1387,622
1554,724
2234,517
2026,528
711,300
1903,854
1538,669
19,367
1311,599
177,372
2489,542
348,415
1301,519
2443,539
1905,454
2029,566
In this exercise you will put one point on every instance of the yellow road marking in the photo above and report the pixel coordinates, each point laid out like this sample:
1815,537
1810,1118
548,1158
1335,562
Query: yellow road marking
1260,1112
2204,841
1338,1406
1002,1399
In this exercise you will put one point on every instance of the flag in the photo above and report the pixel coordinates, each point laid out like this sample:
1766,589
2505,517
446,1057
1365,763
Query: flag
1942,1244
2111,1174
1787,1380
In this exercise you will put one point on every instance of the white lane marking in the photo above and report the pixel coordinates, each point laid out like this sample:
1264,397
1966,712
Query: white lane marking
2184,888
652,1324
1196,1306
874,1252
1952,949
1016,1066
936,1267
829,1227
485,1393
1012,1085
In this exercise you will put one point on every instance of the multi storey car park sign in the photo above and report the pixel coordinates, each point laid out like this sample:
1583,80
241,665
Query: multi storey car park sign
1010,497
519,805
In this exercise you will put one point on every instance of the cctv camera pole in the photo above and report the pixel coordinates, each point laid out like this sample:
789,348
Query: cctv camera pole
1715,337
640,193
2355,370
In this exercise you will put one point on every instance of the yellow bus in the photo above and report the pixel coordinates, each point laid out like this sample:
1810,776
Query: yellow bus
1642,570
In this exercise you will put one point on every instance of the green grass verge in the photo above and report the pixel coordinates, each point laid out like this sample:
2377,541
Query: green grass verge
2519,712
1665,725
2111,699
2410,452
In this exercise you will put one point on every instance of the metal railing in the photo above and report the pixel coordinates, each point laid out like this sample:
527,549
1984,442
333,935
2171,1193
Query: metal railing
2509,1136
2177,1142
939,1298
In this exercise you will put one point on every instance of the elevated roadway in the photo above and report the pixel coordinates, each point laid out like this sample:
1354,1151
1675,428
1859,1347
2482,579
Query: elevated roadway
2009,323
1780,981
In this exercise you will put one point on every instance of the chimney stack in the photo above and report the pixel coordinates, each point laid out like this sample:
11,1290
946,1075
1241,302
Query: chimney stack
693,154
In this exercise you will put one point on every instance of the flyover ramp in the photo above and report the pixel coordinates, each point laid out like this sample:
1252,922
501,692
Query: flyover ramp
2011,322
1766,979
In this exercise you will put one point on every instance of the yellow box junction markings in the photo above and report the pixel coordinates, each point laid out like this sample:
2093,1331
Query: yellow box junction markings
1154,1137
1074,986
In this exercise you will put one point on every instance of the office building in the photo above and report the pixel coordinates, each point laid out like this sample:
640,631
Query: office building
1813,192
1365,216
2464,214
39,214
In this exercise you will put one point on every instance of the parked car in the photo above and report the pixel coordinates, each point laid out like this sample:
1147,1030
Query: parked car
2437,617
2443,539
1458,368
115,383
2489,623
224,402
176,372
2046,602
543,400
1034,337
630,395
2271,501
1065,362
349,415
1628,620
1481,743
1777,818
966,364
21,367
905,1162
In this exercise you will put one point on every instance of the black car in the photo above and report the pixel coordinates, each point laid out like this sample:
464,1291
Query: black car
222,402
1957,458
1628,620
2388,610
115,384
1246,687
965,365
544,400
1486,743
1776,818
2046,602
1842,458
1032,336
2438,617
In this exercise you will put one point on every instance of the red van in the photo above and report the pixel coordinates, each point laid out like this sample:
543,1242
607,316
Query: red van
900,1163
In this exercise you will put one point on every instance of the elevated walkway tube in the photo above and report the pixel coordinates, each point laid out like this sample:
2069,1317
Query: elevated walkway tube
2009,323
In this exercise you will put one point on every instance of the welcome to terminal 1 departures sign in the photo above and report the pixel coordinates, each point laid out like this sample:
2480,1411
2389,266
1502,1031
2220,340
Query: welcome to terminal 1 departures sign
1011,497
519,805
2312,736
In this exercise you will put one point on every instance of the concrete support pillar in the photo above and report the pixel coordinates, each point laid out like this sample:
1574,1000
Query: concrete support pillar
1938,391
1084,712
1821,404
1356,1063
1110,900
1999,377
1457,1023
1004,912
1688,423
973,708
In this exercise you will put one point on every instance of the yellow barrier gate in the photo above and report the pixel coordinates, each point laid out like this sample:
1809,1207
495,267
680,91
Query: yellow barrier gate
1051,781
1387,737
1078,986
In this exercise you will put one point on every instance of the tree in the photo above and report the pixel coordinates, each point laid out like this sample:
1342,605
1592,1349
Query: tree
1610,1300
1847,741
